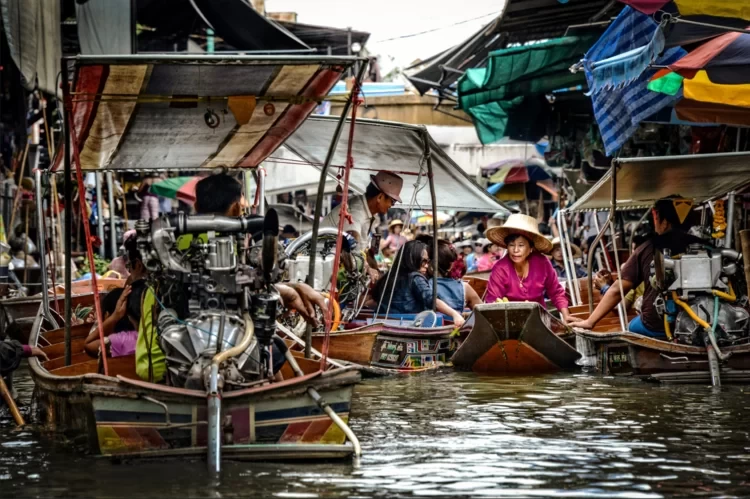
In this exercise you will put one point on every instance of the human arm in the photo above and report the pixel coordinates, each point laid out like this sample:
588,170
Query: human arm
292,300
472,298
608,303
497,287
554,289
422,287
11,353
444,308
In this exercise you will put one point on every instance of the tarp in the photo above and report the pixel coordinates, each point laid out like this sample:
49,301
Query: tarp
396,147
32,28
489,94
153,112
104,27
642,181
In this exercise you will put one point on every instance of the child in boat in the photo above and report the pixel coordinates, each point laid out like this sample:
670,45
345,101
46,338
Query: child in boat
121,309
406,286
452,290
524,273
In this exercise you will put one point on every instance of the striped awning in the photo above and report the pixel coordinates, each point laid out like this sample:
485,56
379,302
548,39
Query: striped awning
189,112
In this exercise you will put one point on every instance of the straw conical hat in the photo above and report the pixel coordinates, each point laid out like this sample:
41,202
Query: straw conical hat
519,224
577,253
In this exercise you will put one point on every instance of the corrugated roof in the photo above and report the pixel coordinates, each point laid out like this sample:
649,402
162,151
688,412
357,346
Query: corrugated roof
520,22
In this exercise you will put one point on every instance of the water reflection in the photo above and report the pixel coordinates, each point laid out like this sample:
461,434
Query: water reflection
456,434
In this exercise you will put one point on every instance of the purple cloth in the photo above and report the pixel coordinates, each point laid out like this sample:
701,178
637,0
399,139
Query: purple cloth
122,344
504,282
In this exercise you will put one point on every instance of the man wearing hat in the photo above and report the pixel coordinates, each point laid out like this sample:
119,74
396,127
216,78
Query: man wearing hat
384,190
558,263
669,214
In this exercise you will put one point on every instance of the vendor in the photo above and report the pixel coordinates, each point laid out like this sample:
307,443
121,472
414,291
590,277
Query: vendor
636,270
524,273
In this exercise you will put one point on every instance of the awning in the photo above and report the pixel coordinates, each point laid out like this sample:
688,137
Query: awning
396,147
521,21
642,181
193,111
490,94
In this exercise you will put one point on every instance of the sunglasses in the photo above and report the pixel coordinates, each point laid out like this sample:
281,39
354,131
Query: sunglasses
425,261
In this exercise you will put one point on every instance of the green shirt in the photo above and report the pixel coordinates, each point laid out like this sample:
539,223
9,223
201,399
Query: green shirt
148,343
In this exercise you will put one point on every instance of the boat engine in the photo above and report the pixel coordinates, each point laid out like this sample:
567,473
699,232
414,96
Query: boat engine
209,284
701,278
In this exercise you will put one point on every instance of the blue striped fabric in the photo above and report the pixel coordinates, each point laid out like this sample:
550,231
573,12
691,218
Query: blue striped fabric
619,108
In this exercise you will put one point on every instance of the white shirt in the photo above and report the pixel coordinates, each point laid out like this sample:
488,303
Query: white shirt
362,218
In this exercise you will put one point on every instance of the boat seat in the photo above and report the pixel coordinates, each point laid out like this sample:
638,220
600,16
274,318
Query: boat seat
120,366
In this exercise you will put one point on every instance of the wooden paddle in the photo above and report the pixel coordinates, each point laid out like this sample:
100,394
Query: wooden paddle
11,403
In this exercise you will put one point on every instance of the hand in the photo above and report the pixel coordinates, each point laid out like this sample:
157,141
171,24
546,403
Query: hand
580,323
603,278
293,301
310,298
458,320
121,309
38,352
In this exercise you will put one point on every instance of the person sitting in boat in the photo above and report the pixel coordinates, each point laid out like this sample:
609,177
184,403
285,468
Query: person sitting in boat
524,273
637,270
121,309
603,280
12,352
395,240
490,254
558,263
218,194
404,289
452,290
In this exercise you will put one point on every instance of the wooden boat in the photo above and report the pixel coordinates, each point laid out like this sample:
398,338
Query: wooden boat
515,338
383,349
620,353
121,415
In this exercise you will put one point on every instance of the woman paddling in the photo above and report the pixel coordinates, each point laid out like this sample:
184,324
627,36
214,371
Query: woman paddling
524,273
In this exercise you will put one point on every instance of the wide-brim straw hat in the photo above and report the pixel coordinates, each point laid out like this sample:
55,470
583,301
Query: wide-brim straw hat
395,223
577,253
523,225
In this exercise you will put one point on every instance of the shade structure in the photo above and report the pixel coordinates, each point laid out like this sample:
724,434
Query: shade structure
719,8
396,147
490,94
642,181
186,112
725,60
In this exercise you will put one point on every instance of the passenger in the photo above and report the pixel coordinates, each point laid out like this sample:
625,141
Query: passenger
524,274
451,289
489,256
603,280
12,351
408,286
558,263
637,270
473,256
383,191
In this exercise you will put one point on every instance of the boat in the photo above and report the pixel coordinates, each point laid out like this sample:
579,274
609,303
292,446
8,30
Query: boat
515,338
686,355
383,345
104,400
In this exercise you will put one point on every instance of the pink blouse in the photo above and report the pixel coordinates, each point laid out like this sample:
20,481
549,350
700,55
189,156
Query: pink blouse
504,282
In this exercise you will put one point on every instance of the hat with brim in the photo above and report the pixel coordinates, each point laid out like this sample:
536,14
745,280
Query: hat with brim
389,184
577,253
395,223
523,225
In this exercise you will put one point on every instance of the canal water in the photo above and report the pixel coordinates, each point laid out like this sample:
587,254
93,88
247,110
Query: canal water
454,435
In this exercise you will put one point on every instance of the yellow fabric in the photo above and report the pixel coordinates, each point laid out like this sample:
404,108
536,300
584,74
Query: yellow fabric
500,175
721,8
702,89
145,330
634,294
512,192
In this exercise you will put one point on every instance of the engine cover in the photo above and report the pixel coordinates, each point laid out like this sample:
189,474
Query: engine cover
191,344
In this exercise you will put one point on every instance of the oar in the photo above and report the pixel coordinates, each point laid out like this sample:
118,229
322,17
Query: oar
11,403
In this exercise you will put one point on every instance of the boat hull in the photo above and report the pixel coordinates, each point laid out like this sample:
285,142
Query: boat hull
514,338
630,354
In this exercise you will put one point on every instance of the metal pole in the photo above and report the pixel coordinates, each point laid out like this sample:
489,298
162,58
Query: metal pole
564,248
571,260
112,229
99,214
261,192
730,220
601,243
42,242
247,177
433,199
319,199
590,265
68,194
621,312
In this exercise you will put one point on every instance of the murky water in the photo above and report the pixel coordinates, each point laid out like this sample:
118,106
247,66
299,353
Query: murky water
457,435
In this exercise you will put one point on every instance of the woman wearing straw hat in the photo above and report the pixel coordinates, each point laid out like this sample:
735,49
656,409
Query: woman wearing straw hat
524,273
394,240
559,264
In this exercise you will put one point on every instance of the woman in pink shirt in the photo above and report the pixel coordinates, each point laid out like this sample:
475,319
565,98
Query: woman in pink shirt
524,273
489,256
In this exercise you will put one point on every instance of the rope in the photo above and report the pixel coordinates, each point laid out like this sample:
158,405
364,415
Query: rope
87,231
